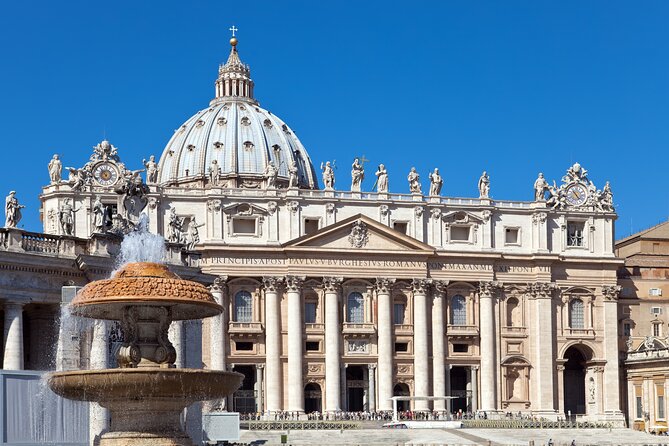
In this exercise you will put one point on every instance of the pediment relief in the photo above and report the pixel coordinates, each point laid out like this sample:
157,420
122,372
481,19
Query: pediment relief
245,209
360,233
462,218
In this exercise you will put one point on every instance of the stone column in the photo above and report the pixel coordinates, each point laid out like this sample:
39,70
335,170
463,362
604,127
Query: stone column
273,374
68,351
176,336
544,367
560,385
259,388
385,343
447,388
420,363
439,374
331,287
13,358
474,377
487,330
295,344
372,387
218,326
99,358
611,369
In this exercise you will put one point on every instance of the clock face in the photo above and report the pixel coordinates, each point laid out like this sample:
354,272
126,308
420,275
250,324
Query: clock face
576,195
105,174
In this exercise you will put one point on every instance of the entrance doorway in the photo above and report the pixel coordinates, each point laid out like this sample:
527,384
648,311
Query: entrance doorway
459,380
244,399
574,381
355,388
312,398
402,389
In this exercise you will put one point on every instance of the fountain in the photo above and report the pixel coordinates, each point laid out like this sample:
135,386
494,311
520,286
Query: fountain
146,394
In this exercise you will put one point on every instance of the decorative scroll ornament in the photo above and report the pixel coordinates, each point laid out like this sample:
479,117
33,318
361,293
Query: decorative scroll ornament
611,292
490,288
332,284
359,236
541,289
577,191
271,284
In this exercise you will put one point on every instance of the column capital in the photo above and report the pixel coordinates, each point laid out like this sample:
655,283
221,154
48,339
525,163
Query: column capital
542,290
272,283
489,289
420,286
440,287
220,284
611,292
260,366
474,368
371,366
294,283
384,285
332,284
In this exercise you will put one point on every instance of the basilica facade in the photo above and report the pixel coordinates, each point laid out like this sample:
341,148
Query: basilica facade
338,298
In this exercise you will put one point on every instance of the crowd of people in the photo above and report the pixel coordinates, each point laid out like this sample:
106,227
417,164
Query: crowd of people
377,416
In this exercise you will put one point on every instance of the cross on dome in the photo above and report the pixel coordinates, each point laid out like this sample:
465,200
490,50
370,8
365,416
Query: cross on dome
233,29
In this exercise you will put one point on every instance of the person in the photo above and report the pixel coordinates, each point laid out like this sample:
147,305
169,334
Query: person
67,216
484,185
436,181
382,179
292,174
540,188
414,181
357,175
328,175
151,170
12,210
55,170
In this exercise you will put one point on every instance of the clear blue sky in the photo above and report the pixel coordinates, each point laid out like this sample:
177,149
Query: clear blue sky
510,87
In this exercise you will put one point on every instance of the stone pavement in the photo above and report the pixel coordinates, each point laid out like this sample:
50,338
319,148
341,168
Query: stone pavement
442,437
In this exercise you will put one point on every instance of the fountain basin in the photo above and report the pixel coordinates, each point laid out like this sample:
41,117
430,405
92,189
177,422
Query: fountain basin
107,385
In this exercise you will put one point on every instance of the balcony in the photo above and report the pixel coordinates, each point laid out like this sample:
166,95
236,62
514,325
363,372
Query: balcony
314,328
404,329
514,331
245,328
580,333
364,328
462,331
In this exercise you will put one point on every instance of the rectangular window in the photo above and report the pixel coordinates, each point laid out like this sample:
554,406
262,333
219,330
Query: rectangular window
460,348
244,226
660,407
460,233
511,236
401,347
310,313
400,226
575,233
639,408
657,330
655,292
398,314
311,225
244,346
312,346
627,329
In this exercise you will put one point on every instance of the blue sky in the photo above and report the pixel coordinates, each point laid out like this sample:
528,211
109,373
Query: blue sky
510,87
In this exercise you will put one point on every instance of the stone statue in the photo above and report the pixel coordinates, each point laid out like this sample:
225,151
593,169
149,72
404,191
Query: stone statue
77,178
357,175
102,219
12,210
382,179
104,151
134,193
414,181
193,234
55,170
271,172
175,228
575,173
328,175
436,181
66,216
292,174
606,198
484,185
591,390
629,343
151,170
214,173
540,188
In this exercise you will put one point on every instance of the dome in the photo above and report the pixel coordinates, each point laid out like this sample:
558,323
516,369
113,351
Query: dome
239,135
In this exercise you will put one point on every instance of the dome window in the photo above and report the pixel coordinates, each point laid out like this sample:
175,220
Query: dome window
190,147
267,123
221,121
248,146
285,129
199,123
246,121
277,149
242,108
226,107
218,145
171,152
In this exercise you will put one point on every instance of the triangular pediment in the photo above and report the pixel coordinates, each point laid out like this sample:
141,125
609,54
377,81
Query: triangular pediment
359,233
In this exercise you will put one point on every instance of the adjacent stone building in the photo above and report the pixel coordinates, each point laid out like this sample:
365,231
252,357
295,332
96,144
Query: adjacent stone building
340,298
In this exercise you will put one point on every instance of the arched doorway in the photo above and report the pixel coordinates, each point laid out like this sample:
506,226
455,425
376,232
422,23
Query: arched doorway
574,381
312,398
402,389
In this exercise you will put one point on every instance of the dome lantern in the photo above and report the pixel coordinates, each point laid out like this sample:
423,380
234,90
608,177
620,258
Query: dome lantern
234,77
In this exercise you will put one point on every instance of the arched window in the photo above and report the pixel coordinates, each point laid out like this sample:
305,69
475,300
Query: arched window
512,312
576,319
243,307
355,308
458,310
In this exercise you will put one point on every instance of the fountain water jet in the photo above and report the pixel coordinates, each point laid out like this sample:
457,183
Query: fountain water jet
146,395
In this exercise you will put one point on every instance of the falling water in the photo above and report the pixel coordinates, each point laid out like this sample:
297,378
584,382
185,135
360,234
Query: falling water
142,246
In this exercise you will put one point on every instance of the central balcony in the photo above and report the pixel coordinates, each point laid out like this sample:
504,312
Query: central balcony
245,328
353,328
